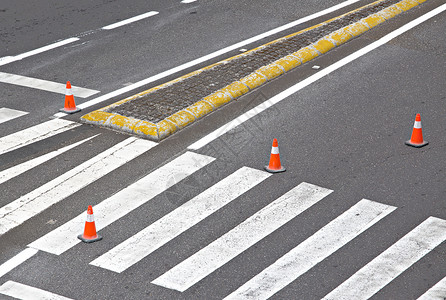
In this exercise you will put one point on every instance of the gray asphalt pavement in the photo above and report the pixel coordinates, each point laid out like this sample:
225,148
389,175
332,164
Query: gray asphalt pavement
344,132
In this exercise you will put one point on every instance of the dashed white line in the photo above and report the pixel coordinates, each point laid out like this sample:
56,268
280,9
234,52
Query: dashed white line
306,82
131,20
10,59
208,57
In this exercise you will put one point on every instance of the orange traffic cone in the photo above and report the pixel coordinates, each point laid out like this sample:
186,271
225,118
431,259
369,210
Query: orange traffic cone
90,234
70,105
274,161
416,139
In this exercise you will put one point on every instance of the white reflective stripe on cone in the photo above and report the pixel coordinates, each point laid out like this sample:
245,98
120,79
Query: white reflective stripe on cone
417,124
275,150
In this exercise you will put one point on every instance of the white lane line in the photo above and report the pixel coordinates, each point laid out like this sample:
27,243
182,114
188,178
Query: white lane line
28,165
188,1
45,85
17,260
392,262
34,134
7,114
131,20
243,236
208,57
178,221
437,292
26,292
10,59
29,205
304,83
313,250
108,211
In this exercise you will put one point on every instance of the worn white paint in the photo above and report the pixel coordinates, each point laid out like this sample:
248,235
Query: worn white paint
243,236
171,225
313,250
108,211
29,205
26,292
7,114
392,262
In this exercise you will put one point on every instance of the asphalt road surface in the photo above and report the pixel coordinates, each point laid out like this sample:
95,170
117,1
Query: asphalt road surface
357,214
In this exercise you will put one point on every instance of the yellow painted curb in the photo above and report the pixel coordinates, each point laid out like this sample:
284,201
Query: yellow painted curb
238,88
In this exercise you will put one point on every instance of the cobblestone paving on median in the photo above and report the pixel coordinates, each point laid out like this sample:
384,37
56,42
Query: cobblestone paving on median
162,103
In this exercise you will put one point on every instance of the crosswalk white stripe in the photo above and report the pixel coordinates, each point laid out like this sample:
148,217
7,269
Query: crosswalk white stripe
28,165
437,292
26,292
243,236
34,134
313,250
12,263
171,225
7,114
27,206
45,85
108,211
392,262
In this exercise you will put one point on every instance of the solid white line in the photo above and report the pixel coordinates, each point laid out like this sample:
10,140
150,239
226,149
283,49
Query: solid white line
108,211
208,57
7,266
243,236
188,1
131,20
7,114
168,227
45,85
26,292
34,134
437,292
392,262
10,59
313,250
324,72
29,205
28,165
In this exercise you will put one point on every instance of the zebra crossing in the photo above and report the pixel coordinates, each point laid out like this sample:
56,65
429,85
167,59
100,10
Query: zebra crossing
204,263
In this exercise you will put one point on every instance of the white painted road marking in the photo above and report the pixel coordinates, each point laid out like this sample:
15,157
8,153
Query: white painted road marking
29,205
28,165
10,59
178,221
437,292
392,262
313,250
304,83
17,260
7,114
258,226
108,211
45,85
26,292
207,57
131,20
188,1
34,134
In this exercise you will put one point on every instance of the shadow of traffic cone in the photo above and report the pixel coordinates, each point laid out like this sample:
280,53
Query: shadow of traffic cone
90,235
416,140
274,161
70,105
